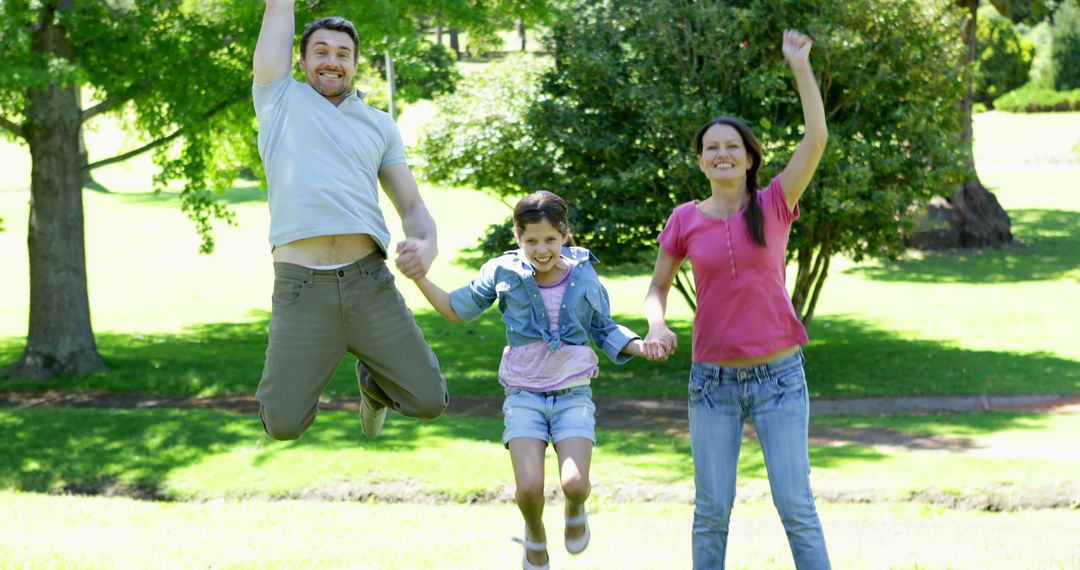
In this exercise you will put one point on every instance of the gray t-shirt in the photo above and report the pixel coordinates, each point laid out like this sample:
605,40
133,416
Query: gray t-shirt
322,162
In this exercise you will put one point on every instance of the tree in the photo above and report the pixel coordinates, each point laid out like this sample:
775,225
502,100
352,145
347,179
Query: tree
973,215
181,70
634,80
1004,60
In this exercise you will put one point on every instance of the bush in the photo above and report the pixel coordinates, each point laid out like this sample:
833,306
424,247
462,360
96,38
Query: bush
422,71
479,137
1066,46
1042,69
1032,99
1004,56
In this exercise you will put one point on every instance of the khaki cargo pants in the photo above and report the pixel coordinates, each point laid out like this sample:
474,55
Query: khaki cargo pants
317,316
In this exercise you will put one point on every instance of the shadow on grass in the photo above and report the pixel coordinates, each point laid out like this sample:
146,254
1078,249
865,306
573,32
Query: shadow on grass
1049,249
233,196
136,453
847,358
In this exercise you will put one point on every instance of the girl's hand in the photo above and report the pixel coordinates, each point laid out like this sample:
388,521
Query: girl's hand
660,343
796,47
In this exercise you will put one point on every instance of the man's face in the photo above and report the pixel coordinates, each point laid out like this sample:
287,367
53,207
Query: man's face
330,63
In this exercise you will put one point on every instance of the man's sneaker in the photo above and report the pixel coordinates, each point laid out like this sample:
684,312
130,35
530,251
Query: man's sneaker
371,420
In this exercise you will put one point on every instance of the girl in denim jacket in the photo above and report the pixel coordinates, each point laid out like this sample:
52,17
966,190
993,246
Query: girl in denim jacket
551,302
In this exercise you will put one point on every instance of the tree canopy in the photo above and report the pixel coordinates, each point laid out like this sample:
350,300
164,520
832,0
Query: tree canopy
633,80
178,73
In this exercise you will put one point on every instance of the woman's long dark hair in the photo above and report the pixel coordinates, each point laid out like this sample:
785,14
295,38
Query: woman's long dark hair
543,206
755,221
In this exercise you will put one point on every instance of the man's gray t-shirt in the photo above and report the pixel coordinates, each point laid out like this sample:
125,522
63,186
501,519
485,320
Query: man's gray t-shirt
322,162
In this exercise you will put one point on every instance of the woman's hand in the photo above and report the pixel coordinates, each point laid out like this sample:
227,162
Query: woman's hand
660,343
796,47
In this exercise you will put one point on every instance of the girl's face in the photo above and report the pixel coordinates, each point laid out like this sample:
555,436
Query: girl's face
723,155
541,243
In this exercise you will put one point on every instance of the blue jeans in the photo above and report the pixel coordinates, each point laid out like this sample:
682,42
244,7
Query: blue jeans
774,396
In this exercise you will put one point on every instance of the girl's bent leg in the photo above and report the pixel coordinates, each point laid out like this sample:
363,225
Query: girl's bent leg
716,422
575,457
527,456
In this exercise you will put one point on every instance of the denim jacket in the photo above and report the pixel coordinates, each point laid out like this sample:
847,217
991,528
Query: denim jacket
585,310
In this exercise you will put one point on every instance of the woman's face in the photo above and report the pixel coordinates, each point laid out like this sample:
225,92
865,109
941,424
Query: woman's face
723,155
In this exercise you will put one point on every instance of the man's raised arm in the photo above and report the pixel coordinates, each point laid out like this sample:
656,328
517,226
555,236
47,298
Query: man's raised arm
274,52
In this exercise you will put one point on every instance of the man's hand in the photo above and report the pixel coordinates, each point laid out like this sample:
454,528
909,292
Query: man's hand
414,257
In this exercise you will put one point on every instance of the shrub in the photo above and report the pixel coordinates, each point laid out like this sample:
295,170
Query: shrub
1004,56
422,71
1066,46
1032,99
479,137
1042,70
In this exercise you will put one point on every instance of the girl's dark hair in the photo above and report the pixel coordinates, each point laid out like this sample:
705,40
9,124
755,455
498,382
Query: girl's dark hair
543,206
755,221
333,23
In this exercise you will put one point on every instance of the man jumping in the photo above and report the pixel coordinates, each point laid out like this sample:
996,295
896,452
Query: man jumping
323,149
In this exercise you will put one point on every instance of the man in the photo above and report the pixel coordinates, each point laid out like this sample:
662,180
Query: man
323,148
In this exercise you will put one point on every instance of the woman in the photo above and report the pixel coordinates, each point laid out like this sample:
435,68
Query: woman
747,341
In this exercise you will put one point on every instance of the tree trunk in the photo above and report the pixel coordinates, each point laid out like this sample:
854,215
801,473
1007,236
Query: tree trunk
454,43
60,339
982,220
972,216
521,33
813,268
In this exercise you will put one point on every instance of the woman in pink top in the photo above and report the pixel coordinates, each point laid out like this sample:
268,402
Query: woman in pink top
748,362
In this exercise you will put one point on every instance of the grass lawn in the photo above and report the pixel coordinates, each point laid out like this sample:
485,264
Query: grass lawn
112,533
202,455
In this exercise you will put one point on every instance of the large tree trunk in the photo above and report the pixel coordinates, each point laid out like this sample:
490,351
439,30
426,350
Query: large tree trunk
60,338
972,216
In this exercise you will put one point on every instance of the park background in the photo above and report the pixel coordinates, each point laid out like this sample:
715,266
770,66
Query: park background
190,487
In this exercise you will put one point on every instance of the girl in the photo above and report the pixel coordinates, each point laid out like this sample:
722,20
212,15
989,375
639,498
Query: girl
551,302
747,339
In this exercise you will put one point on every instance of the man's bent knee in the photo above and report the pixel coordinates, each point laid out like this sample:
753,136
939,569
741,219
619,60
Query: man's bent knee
283,429
426,410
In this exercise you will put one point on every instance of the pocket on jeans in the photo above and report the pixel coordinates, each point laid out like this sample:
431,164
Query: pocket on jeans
286,291
791,379
697,386
581,391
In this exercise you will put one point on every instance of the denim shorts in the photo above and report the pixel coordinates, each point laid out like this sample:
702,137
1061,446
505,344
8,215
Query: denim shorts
554,415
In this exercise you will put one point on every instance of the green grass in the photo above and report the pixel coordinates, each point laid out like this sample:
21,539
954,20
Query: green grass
202,455
119,533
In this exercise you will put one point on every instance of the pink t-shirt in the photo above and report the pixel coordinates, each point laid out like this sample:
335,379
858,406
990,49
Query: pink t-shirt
743,308
534,367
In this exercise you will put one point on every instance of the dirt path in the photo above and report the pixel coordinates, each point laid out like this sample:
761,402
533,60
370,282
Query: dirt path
633,414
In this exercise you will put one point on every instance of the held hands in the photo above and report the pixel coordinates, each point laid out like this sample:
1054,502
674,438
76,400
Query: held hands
660,343
796,47
414,257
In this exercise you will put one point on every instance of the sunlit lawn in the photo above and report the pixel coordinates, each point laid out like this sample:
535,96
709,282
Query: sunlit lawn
115,533
203,454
